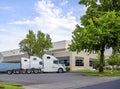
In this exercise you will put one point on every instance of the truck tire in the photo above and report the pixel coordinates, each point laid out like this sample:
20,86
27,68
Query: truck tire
16,71
22,71
9,71
29,71
60,70
36,71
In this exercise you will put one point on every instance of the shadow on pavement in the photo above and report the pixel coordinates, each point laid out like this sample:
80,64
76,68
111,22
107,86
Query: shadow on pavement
106,85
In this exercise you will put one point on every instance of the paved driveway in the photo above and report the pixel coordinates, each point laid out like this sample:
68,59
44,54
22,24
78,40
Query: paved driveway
62,81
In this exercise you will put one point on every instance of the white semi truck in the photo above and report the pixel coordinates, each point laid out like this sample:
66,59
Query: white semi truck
36,65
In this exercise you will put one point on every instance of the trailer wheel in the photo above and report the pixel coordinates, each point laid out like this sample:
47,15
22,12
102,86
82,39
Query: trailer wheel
29,71
36,71
9,71
60,70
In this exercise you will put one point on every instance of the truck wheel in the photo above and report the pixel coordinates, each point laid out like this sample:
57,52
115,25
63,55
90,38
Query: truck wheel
9,71
29,71
36,71
60,70
23,71
16,71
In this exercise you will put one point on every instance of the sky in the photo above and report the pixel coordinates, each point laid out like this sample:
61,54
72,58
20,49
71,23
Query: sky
54,17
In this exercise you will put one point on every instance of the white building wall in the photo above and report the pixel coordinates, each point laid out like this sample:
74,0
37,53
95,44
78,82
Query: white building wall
14,59
1,57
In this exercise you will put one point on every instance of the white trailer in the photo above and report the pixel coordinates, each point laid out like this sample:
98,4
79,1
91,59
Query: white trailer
35,64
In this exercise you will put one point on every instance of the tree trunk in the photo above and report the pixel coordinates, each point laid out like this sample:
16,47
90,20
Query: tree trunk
101,60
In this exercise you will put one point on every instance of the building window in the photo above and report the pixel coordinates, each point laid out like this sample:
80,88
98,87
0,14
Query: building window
79,61
91,61
65,60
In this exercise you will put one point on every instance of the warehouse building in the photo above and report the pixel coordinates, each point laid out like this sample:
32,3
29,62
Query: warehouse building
80,61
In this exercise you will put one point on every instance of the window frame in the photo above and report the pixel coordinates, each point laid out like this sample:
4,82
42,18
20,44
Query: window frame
91,60
79,61
64,60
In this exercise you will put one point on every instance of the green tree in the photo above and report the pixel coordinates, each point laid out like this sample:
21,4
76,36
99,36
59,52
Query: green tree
99,29
36,44
96,63
27,45
43,43
114,59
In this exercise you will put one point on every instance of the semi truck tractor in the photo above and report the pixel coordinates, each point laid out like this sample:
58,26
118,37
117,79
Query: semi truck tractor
47,63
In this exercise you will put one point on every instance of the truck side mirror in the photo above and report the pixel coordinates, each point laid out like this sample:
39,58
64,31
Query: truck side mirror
40,63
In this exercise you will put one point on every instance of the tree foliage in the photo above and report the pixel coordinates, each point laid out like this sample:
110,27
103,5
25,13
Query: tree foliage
43,43
27,45
36,44
99,29
114,59
96,63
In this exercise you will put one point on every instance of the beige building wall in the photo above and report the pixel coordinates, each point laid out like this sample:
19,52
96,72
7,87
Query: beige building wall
60,49
63,53
86,59
72,56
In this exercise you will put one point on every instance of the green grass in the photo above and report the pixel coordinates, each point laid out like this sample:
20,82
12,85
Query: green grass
4,85
96,73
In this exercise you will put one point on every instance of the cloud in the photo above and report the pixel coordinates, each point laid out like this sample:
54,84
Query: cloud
5,8
52,21
11,38
64,2
3,30
22,22
8,42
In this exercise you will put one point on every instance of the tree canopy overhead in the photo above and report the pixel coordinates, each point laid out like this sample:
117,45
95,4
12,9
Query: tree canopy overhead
100,28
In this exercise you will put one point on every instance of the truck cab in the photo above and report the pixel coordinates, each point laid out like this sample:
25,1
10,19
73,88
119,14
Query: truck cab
32,63
52,64
35,62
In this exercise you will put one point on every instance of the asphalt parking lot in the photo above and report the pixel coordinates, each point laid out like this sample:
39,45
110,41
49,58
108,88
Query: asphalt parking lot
62,81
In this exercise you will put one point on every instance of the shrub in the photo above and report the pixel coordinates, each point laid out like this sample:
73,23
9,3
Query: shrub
96,63
67,68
